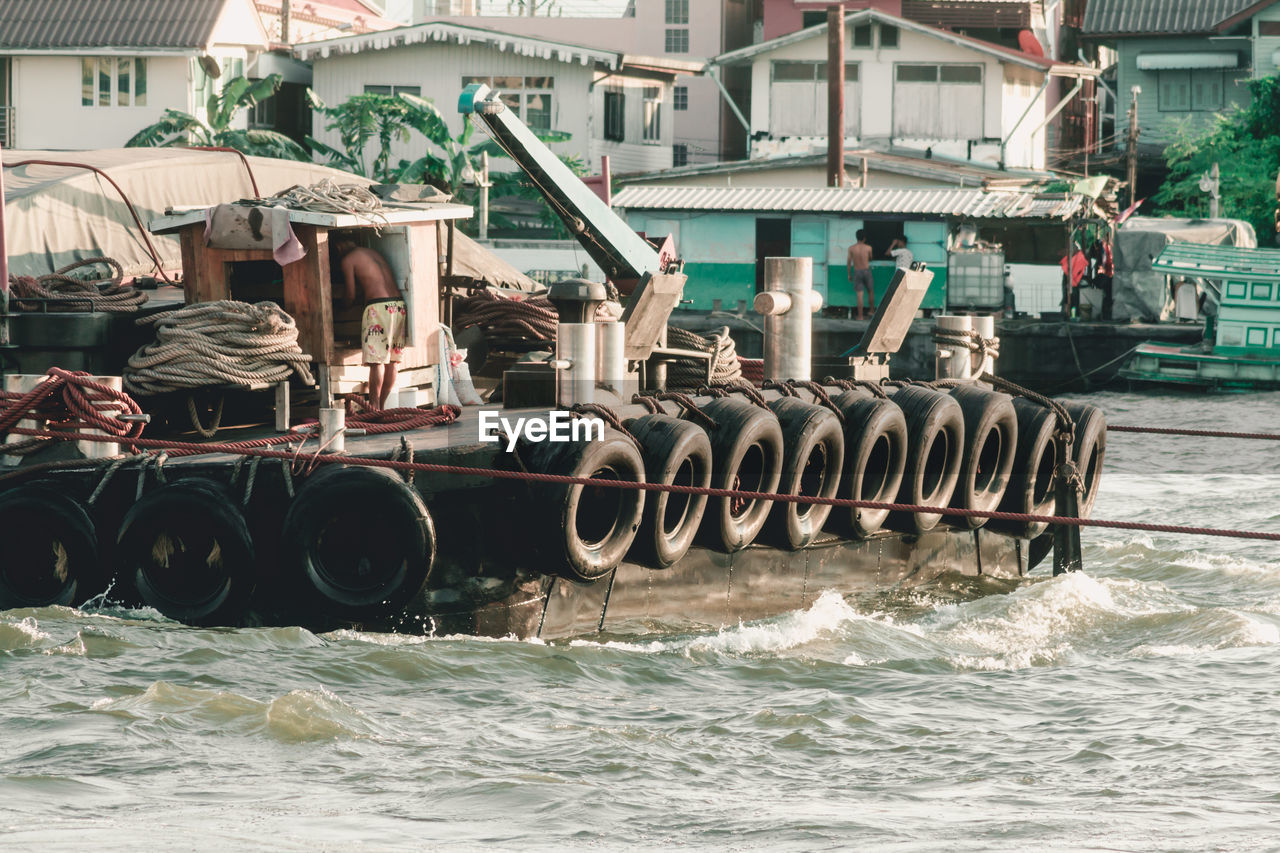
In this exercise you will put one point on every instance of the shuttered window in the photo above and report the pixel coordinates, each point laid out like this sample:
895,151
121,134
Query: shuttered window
798,99
937,101
1191,90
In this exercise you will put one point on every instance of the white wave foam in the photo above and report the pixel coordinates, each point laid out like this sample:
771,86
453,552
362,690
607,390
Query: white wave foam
24,633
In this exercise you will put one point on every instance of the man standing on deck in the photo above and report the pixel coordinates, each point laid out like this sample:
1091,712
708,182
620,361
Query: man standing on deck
382,324
859,270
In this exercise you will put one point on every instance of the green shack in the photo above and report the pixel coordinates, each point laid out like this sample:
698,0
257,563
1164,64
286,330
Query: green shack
724,233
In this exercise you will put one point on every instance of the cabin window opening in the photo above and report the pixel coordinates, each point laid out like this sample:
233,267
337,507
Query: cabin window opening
107,81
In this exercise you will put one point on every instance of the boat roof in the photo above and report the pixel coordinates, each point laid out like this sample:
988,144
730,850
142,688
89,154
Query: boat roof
1195,260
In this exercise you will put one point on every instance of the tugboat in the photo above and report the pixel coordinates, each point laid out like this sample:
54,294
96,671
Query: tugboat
1241,347
664,499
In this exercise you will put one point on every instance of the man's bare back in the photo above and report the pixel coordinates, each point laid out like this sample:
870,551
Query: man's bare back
369,270
860,256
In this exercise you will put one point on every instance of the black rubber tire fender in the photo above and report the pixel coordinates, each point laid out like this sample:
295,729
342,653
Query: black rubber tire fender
1088,450
675,452
50,555
1030,489
935,442
990,444
746,454
578,532
185,550
359,541
812,464
875,442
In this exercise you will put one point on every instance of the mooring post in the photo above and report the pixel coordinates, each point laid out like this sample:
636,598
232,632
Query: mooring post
787,303
1066,504
333,428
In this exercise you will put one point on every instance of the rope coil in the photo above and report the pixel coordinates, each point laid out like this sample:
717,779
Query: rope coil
218,343
60,292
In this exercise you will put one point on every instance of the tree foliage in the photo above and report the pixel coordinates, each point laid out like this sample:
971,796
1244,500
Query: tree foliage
176,127
1245,143
369,125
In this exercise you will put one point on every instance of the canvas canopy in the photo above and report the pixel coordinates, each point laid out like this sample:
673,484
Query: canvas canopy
57,214
1139,293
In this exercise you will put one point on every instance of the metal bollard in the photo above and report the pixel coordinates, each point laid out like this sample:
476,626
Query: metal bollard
953,361
333,430
985,325
576,350
787,303
22,383
612,362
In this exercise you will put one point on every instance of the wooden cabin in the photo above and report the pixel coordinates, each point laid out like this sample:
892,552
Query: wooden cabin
227,254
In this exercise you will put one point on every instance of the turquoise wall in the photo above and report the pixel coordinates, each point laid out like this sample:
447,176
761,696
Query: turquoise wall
719,250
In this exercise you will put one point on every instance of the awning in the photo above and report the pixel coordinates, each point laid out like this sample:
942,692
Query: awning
1167,61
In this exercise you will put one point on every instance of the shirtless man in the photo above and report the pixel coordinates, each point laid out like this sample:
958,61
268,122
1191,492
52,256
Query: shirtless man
382,325
859,270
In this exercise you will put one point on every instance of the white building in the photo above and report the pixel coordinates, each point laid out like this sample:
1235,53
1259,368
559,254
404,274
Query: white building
907,85
96,73
609,102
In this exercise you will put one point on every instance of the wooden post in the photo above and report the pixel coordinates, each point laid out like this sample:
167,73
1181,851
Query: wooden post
835,96
308,294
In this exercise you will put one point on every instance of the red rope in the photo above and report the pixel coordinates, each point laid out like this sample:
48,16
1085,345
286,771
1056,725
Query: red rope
1204,433
467,470
82,400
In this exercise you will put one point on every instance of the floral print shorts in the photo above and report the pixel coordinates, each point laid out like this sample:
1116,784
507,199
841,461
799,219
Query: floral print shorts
382,330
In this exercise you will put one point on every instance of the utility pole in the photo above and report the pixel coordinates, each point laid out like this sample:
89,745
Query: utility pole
484,184
835,95
1131,146
286,14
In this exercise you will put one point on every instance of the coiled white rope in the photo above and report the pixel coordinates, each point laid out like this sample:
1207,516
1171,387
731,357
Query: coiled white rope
218,343
331,197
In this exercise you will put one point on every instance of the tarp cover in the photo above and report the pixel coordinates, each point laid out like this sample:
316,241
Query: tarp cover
1140,294
55,215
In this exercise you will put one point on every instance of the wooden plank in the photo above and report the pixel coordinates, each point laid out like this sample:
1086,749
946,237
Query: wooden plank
211,283
192,237
308,294
426,213
424,300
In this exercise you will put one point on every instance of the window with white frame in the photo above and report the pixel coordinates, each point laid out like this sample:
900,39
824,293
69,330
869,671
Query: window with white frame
531,98
680,98
937,101
677,40
393,90
677,11
680,154
113,81
798,99
652,114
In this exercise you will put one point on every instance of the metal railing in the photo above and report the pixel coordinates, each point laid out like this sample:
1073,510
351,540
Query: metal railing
6,127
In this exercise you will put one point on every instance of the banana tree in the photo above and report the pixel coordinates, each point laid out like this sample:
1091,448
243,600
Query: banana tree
177,128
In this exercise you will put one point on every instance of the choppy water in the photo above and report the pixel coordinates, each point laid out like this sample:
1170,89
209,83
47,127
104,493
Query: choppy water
1131,707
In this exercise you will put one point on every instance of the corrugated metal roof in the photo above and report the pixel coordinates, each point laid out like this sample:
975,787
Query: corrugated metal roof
974,203
1218,262
1116,17
56,24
